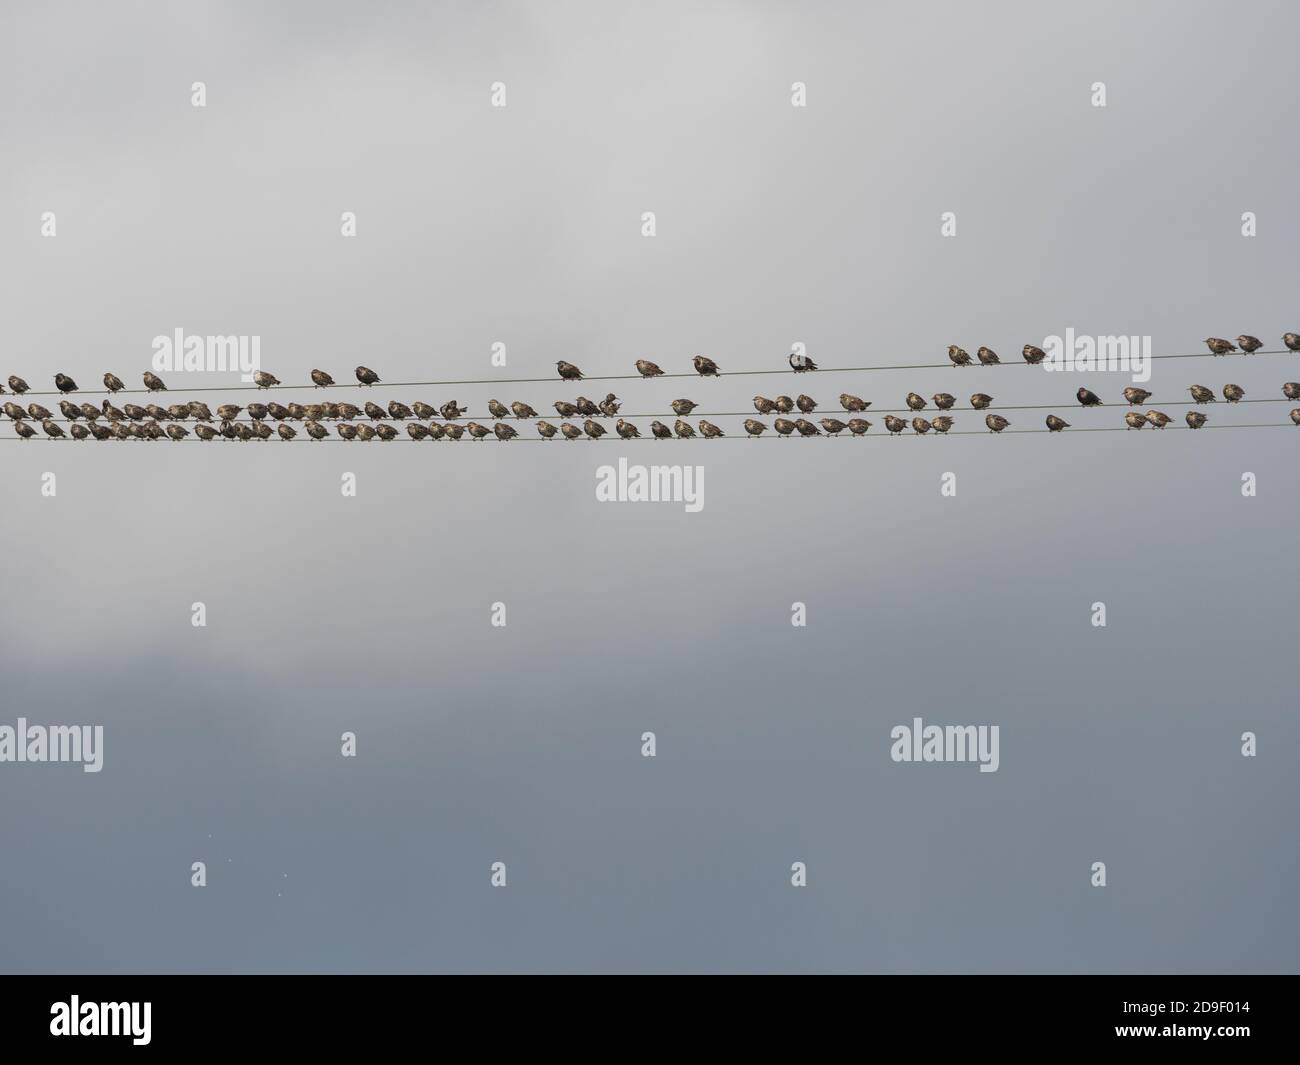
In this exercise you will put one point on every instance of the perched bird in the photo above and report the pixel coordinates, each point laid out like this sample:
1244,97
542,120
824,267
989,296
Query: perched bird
416,431
806,428
38,412
422,410
853,404
763,406
367,376
546,430
279,412
894,425
1158,418
451,412
177,412
1136,396
365,432
103,432
321,380
332,409
385,432
705,367
1218,346
1233,393
15,412
942,423
626,430
1135,419
113,383
570,431
24,430
315,430
858,426
564,410
297,411
915,402
198,410
783,426
988,356
609,405
995,422
568,372
228,411
373,411
478,432
18,385
135,412
257,411
1295,416
345,431
1033,355
1249,344
834,426
153,382
754,427
262,431
436,431
228,431
1292,341
1202,394
958,356
586,407
943,400
593,429
53,429
981,401
497,409
80,432
122,431
921,425
111,412
1291,390
1088,399
783,404
806,404
70,410
265,380
90,412
503,431
660,431
1195,419
683,407
801,363
287,432
400,411
64,383
1055,424
156,412
646,368
709,430
683,429
522,410
177,432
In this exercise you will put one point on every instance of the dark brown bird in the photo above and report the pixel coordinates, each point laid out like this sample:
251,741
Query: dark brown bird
1033,355
801,363
38,412
79,432
70,410
111,412
988,356
178,412
156,412
198,410
18,385
385,432
709,430
894,425
646,368
365,432
1088,399
660,431
858,426
683,407
135,412
833,426
626,430
103,432
942,423
264,380
980,401
705,367
153,382
400,411
1158,418
754,427
367,376
1136,396
570,431
958,356
1218,346
943,400
226,412
373,411
498,409
567,371
297,411
1292,341
15,412
90,412
177,432
683,429
321,379
263,431
586,407
1249,344
784,426
995,422
1202,394
783,404
593,429
504,432
852,404
257,411
53,429
522,410
914,401
1291,390
316,411
332,409
422,410
315,430
450,412
478,432
24,430
346,431
1295,416
763,406
64,383
546,429
1195,419
416,431
1233,393
921,425
228,431
609,405
287,432
113,383
1135,420
279,412
436,431
806,404
564,410
1055,424
806,428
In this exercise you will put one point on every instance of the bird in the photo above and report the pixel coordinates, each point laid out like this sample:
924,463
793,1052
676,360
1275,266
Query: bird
24,430
156,412
1249,344
436,431
958,356
704,366
570,431
422,410
942,423
858,426
646,368
995,422
38,412
783,426
18,385
801,363
1291,390
1135,419
609,405
915,402
709,430
522,410
683,407
263,431
346,431
943,400
546,430
660,431
593,429
298,412
683,429
853,404
400,411
627,430
1292,341
80,432
1088,399
806,428
70,410
1158,418
567,371
90,412
806,404
1295,416
314,429
64,383
564,410
15,412
153,382
113,383
367,376
1233,393
1136,396
894,425
498,409
988,356
754,427
135,412
323,380
226,412
921,425
265,380
179,412
279,412
103,432
1195,419
258,411
416,431
503,431
1055,424
981,401
177,432
1202,394
763,406
478,432
52,429
1033,355
287,432
111,412
365,432
385,432
451,412
1219,346
834,426
373,411
783,404
586,407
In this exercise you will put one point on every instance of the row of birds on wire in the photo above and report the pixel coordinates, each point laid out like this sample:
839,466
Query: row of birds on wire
133,421
704,366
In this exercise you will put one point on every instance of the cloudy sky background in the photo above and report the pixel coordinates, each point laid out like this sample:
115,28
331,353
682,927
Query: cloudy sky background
522,744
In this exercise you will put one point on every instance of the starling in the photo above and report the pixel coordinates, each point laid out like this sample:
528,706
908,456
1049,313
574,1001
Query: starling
894,425
321,380
1195,419
1249,344
853,404
153,382
764,405
38,412
385,432
478,432
495,408
280,412
15,412
70,410
178,412
1055,424
806,404
1135,420
1033,355
705,367
568,372
1202,394
436,431
345,431
1295,416
995,422
1158,418
198,410
316,411
451,412
113,383
315,430
683,407
332,409
626,430
709,430
454,430
53,429
958,357
1088,399
942,423
177,432
265,380
18,385
1136,396
1292,341
943,401
373,411
833,426
546,430
801,363
522,410
915,402
858,426
593,429
609,405
1218,346
135,412
24,430
783,426
64,383
504,432
156,412
80,432
228,411
806,428
980,401
297,411
287,432
1233,393
570,431
228,430
367,376
416,431
660,431
1291,390
111,412
365,432
103,432
257,411
90,412
646,368
683,429
400,411
586,407
783,404
988,356
754,427
921,425
262,430
564,410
